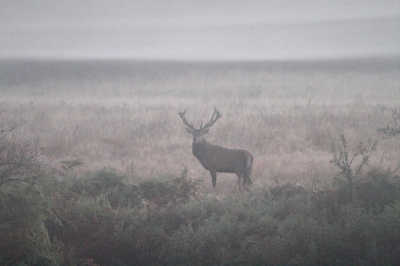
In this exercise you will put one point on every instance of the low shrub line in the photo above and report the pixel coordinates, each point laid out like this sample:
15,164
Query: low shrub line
105,219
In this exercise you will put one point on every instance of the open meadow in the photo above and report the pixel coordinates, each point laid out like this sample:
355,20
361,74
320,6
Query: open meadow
96,167
124,115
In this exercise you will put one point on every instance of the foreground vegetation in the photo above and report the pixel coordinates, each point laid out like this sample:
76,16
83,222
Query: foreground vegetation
100,219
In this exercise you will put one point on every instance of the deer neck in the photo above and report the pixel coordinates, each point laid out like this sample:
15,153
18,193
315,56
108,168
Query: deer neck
200,148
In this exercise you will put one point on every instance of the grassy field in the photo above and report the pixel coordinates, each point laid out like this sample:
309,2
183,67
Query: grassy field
133,197
124,115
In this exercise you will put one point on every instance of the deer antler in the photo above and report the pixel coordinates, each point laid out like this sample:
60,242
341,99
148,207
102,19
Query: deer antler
216,115
212,121
185,122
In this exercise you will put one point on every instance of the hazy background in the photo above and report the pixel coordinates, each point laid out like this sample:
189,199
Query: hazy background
199,30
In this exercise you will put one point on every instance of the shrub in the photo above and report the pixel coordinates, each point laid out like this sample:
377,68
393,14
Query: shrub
344,161
106,219
167,221
169,191
23,208
393,128
18,161
24,236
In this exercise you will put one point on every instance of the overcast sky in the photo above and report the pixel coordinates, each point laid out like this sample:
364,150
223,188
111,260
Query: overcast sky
199,29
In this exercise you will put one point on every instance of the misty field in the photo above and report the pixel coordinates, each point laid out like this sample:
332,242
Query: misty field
122,118
125,116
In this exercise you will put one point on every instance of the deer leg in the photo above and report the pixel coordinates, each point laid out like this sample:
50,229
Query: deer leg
241,177
247,180
246,176
241,182
214,178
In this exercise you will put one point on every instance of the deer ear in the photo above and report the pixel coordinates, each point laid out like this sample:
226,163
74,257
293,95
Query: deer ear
190,131
205,131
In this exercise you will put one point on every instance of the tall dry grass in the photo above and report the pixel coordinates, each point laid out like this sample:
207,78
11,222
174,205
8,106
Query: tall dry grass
283,117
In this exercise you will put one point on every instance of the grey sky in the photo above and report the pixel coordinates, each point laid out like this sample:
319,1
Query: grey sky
200,30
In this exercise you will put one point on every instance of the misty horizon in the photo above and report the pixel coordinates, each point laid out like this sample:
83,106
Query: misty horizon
199,30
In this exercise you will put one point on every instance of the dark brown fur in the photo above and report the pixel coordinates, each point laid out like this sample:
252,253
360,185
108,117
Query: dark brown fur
217,159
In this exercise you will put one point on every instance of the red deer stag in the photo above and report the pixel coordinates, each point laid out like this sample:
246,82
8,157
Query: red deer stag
217,159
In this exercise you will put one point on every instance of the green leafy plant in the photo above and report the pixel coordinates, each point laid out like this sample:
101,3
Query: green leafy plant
24,235
280,225
345,161
393,128
169,191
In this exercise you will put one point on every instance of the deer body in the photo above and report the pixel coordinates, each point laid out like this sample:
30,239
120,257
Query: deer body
217,159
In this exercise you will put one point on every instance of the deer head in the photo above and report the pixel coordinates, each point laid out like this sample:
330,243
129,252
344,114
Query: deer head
198,133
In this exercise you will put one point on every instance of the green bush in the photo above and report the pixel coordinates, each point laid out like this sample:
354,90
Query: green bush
169,191
393,128
23,208
24,236
345,161
105,219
